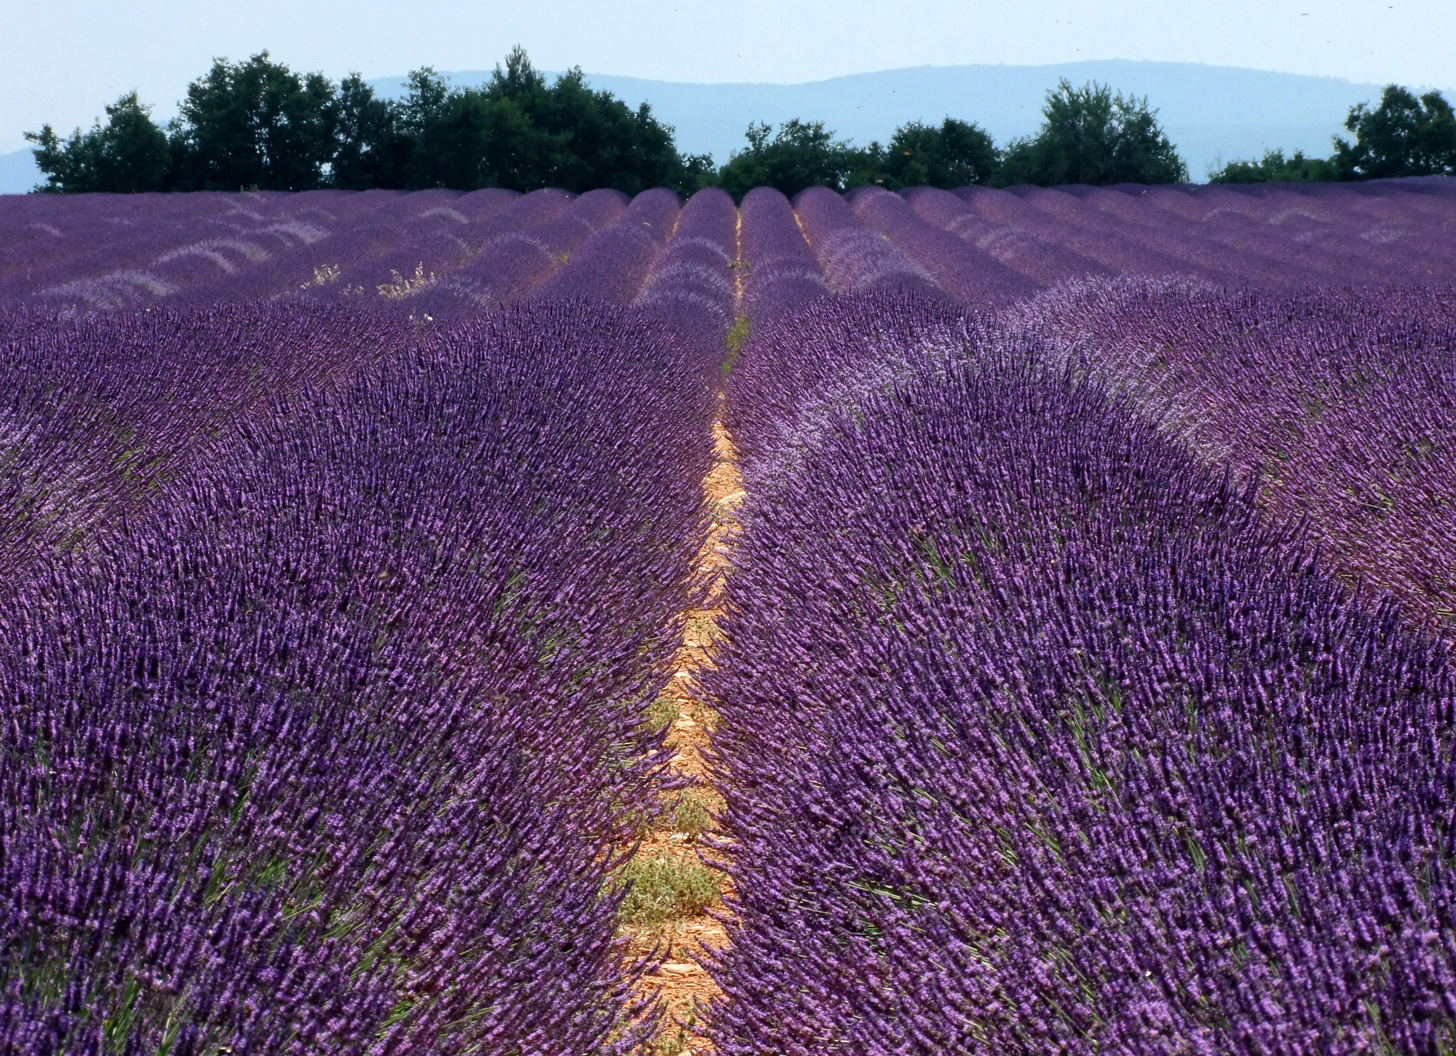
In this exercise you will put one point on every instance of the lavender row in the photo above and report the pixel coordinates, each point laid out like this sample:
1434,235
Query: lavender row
1339,400
1279,237
1038,738
383,261
105,253
780,271
1266,255
1115,250
329,751
454,254
99,415
613,263
511,266
1294,246
238,249
1040,261
691,285
1156,239
1405,215
369,257
802,374
964,271
854,258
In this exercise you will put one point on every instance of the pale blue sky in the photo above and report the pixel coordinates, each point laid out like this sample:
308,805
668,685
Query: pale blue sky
60,60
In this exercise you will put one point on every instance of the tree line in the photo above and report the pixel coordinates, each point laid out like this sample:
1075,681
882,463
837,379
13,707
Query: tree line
256,124
1405,135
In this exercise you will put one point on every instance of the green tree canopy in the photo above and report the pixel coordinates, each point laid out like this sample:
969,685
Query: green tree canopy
255,124
370,150
127,154
1090,135
583,139
1274,166
518,131
801,154
956,154
1403,136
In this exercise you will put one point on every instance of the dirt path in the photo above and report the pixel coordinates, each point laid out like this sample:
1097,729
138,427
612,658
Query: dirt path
683,987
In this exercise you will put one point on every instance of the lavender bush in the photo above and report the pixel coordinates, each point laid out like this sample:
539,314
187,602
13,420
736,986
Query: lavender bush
854,258
1339,400
329,749
691,284
1039,738
1083,687
964,271
780,271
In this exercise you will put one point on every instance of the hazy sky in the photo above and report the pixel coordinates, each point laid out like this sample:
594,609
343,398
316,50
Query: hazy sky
61,60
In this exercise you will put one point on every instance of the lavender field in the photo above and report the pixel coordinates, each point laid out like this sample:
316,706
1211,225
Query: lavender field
1074,656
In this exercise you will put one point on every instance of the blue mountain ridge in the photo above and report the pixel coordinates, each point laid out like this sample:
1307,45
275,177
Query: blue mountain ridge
1212,113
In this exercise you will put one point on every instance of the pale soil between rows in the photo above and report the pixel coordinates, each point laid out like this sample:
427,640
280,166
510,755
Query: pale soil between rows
682,985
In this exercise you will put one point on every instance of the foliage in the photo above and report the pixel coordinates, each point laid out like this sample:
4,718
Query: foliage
1092,136
128,154
1275,167
257,124
665,887
369,152
693,813
254,124
1403,136
800,154
585,139
803,154
957,154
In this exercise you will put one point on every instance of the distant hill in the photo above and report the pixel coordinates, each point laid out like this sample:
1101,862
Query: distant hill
18,173
1210,112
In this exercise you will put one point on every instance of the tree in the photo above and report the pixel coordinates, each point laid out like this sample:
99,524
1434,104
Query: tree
422,120
127,154
957,154
1091,136
801,154
1403,136
583,139
255,124
519,131
1274,166
370,149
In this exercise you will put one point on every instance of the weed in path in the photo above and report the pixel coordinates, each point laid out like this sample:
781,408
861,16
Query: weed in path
665,887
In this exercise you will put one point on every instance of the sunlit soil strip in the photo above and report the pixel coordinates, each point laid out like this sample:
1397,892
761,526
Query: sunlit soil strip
668,910
670,857
675,911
